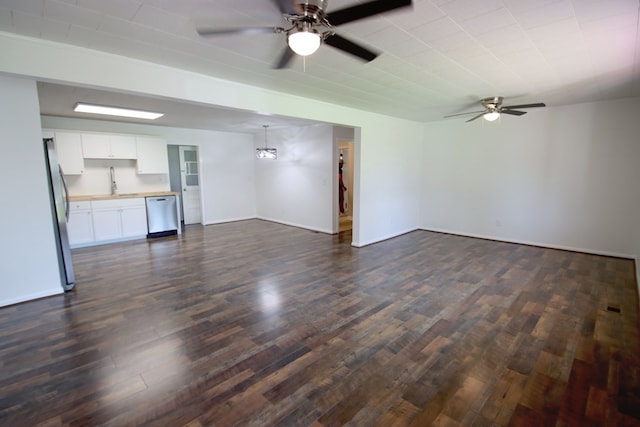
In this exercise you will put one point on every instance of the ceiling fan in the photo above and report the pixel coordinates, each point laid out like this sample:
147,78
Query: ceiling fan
311,25
493,108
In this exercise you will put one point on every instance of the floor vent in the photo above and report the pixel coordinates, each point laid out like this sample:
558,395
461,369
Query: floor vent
613,309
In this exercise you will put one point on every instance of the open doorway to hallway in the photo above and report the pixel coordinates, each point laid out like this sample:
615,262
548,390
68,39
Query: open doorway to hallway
345,185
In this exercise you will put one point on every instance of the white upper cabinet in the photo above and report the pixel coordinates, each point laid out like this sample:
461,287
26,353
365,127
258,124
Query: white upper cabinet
123,146
69,150
152,155
108,146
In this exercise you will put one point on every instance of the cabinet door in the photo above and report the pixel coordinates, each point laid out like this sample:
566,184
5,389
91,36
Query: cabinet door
122,147
134,221
152,155
96,146
80,227
69,150
106,224
107,146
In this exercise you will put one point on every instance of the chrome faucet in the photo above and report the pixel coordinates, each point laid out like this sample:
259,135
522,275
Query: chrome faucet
112,175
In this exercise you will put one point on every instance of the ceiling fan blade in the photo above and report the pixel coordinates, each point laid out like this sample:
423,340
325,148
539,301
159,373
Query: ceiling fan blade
476,117
244,31
350,47
538,104
285,58
285,7
513,112
464,114
364,10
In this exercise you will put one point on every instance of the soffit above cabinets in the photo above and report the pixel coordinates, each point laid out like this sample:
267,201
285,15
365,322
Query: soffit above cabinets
58,100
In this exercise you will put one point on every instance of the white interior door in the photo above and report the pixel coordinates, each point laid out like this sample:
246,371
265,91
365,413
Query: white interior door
190,179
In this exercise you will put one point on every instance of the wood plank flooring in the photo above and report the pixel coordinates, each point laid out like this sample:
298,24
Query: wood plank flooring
259,324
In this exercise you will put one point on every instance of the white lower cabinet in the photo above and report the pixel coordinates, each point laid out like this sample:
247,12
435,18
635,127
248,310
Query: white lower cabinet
106,221
107,224
80,223
134,220
119,219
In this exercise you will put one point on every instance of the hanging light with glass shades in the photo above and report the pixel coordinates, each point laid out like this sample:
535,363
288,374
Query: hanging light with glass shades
266,153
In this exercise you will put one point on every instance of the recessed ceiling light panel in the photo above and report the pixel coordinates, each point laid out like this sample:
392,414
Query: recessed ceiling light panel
81,107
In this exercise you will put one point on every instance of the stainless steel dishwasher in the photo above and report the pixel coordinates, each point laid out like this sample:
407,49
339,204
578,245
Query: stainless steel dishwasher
162,218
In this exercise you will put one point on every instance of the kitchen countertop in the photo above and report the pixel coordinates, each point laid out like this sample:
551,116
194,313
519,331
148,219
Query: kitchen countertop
122,196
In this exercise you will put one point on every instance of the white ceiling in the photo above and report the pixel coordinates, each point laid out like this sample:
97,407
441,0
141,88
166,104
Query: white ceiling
438,57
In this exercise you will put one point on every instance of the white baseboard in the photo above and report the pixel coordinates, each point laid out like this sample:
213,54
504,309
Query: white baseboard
381,239
30,297
225,220
532,243
293,224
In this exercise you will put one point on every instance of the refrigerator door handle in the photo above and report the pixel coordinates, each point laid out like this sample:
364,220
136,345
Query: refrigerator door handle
66,194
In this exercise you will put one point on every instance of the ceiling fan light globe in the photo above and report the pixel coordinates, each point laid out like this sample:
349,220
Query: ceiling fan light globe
304,42
491,116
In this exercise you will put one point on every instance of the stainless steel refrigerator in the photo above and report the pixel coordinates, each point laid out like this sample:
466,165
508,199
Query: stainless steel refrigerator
60,208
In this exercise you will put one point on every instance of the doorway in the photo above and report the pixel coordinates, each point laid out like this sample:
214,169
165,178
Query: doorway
184,178
345,185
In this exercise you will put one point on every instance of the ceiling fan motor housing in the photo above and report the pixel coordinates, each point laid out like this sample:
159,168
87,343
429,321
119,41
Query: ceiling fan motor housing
493,103
312,26
493,108
311,10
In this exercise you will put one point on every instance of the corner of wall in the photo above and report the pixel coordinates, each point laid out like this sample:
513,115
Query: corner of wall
637,281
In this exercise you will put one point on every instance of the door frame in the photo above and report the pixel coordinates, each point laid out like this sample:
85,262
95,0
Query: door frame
181,149
354,184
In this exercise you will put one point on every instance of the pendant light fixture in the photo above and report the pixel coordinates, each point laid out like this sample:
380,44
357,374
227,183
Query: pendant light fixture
266,153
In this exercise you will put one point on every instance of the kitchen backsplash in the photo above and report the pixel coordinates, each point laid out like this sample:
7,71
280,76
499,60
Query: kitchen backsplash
96,181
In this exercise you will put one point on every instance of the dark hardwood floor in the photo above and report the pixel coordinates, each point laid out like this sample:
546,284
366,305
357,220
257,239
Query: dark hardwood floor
260,324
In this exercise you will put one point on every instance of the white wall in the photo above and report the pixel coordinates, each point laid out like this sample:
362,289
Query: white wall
389,182
228,183
226,163
29,260
97,180
297,187
559,176
563,177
